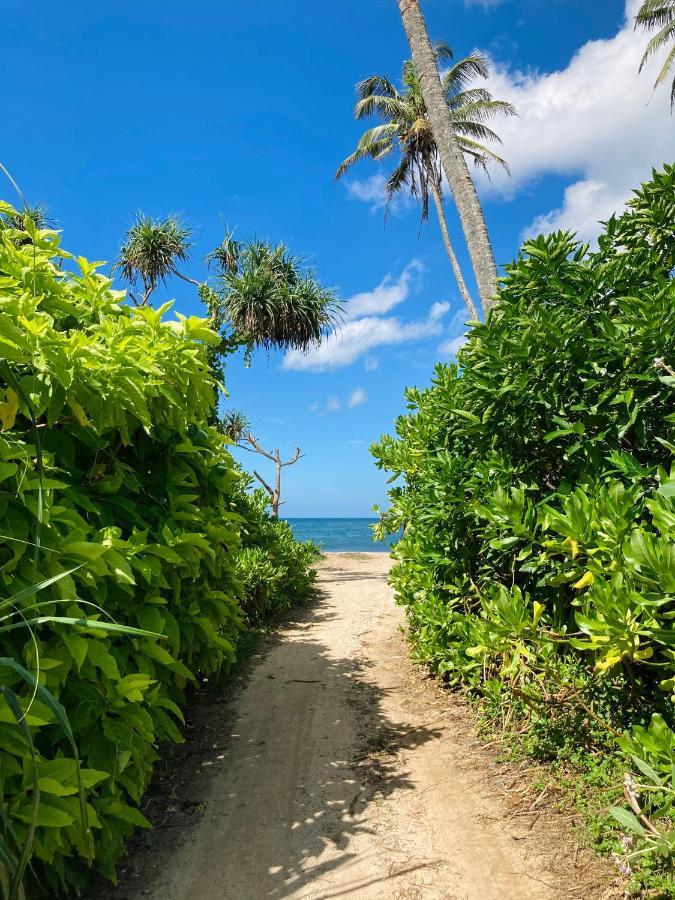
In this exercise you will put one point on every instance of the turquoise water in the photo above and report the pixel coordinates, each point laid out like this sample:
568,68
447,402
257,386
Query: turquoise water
337,535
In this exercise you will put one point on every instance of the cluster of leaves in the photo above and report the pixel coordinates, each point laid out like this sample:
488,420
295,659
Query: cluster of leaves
269,298
276,571
537,563
119,502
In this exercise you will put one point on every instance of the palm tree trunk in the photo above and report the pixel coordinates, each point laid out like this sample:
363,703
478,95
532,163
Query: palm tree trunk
442,221
456,170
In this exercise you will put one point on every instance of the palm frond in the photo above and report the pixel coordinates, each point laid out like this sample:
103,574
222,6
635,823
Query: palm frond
399,179
442,51
655,14
481,155
376,85
393,108
659,14
477,131
464,72
365,150
660,39
406,127
481,110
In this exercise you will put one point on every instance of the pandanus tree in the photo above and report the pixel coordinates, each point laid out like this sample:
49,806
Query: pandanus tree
151,253
262,295
271,299
236,426
452,159
659,16
406,130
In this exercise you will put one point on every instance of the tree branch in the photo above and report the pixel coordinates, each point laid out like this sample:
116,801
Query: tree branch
186,278
264,483
253,441
298,455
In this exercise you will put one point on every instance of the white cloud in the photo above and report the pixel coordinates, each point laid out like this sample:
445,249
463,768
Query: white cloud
388,294
365,327
438,310
371,364
373,190
486,4
369,190
452,345
357,397
333,404
595,120
341,348
314,407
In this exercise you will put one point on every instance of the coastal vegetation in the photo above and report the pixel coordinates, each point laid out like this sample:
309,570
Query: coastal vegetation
132,556
532,485
454,164
536,491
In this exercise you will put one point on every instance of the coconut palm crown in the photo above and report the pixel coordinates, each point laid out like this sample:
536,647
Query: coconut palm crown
659,15
406,128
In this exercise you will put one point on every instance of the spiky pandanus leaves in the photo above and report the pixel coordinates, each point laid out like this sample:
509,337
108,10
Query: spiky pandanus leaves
234,424
271,300
225,256
151,253
659,15
264,295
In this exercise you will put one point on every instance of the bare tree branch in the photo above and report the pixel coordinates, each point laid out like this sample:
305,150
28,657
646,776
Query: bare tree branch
252,440
263,482
298,455
279,464
186,278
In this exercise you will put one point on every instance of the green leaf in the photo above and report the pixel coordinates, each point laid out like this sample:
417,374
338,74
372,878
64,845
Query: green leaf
627,820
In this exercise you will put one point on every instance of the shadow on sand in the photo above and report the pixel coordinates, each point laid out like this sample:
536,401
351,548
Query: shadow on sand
267,826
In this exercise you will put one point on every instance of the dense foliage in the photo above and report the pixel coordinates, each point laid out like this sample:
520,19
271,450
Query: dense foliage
276,571
119,509
538,559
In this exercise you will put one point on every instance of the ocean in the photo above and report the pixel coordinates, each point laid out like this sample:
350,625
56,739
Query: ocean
340,535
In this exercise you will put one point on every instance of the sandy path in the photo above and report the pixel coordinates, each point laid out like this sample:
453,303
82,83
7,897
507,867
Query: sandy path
343,776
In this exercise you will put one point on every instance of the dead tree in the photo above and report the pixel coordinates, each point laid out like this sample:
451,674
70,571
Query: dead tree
275,456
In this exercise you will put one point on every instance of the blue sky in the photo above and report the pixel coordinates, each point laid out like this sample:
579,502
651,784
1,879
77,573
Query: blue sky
241,112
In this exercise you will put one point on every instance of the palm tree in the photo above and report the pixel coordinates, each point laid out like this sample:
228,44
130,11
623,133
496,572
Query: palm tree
151,253
264,295
271,299
659,14
234,424
454,164
407,128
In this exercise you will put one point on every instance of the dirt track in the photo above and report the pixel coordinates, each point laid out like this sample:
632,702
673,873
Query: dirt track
339,771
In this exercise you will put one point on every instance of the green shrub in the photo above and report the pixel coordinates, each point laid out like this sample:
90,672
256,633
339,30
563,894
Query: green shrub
276,571
106,469
538,559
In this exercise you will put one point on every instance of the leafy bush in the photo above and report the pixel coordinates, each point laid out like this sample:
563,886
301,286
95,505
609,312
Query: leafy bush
112,486
276,571
538,560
